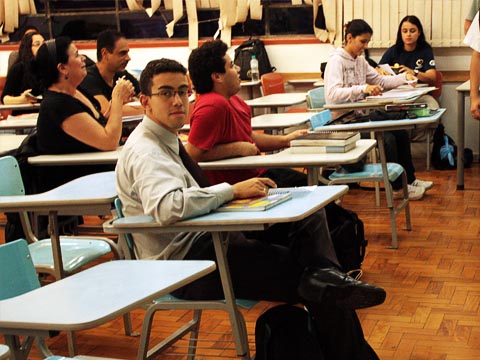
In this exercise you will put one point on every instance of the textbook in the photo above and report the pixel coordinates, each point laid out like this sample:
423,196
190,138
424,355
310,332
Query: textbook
402,94
323,149
274,198
405,107
318,138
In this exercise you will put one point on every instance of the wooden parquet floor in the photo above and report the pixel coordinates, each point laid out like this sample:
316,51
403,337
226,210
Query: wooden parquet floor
432,310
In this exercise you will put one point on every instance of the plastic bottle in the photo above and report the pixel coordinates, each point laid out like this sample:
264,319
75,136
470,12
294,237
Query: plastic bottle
255,75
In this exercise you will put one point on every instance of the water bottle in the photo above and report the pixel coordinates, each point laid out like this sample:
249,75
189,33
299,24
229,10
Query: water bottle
255,75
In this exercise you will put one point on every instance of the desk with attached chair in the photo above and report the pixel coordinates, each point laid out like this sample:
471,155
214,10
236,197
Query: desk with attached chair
219,224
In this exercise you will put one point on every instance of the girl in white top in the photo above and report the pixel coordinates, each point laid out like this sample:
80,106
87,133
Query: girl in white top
348,76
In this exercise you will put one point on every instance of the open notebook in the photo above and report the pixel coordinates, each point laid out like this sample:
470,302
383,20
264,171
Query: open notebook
274,198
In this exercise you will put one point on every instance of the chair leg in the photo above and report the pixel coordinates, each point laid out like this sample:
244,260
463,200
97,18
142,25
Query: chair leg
192,326
392,213
408,223
194,333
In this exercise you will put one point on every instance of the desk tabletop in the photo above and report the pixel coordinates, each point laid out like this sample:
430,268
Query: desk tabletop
81,196
305,201
29,121
286,158
279,121
20,122
386,125
9,142
274,121
273,100
96,295
90,158
379,102
464,87
249,83
4,352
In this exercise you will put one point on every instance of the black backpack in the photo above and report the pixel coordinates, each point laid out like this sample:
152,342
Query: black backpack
243,55
286,332
440,158
444,151
348,237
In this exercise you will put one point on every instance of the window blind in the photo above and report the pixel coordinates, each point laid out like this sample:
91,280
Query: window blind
442,20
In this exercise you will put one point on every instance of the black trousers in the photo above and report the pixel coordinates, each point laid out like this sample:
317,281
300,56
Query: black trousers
397,150
265,265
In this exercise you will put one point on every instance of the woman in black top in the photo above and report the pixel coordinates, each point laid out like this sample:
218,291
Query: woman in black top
70,120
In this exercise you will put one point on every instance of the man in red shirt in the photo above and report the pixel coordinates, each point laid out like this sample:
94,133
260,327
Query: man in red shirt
220,125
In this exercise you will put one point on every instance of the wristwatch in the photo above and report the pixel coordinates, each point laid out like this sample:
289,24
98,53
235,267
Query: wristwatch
415,72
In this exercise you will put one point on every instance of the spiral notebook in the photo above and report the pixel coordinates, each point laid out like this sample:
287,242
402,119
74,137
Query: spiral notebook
274,198
262,203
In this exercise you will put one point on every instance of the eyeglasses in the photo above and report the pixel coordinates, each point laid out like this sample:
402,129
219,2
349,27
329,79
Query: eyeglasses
169,94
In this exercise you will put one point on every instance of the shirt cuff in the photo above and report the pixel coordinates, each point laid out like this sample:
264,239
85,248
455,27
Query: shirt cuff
224,192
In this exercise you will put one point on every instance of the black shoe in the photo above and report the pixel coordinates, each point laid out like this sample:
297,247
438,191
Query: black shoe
321,285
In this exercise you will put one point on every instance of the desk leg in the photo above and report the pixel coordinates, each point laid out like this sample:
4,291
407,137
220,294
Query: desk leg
220,241
313,176
388,188
460,138
55,237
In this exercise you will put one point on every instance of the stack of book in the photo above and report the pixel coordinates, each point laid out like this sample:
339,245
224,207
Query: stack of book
325,142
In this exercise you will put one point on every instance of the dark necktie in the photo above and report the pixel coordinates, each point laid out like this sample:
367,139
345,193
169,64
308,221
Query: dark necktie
193,167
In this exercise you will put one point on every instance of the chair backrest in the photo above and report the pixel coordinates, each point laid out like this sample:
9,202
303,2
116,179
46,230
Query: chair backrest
272,83
17,272
316,98
11,184
128,237
438,84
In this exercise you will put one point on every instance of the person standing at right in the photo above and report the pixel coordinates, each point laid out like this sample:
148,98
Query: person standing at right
471,14
472,39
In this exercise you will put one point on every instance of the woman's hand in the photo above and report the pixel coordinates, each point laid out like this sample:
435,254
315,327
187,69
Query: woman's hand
406,70
27,97
374,90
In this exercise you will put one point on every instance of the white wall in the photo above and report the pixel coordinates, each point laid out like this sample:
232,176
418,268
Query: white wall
306,58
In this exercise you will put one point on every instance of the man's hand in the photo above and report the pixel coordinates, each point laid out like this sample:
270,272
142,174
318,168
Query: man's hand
252,188
295,134
247,148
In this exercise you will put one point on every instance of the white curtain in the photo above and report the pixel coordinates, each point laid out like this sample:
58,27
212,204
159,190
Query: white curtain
442,19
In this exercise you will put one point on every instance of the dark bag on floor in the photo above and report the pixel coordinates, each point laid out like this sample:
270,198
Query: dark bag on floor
243,55
348,237
444,151
286,332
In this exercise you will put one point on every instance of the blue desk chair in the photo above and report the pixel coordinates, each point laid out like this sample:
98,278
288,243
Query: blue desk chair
17,277
372,173
76,251
171,302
